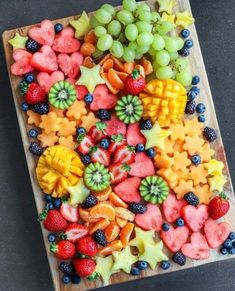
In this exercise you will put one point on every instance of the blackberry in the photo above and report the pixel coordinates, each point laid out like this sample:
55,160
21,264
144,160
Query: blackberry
35,149
58,27
184,52
209,134
86,159
90,201
179,258
100,238
137,208
66,268
32,46
191,198
146,124
40,108
190,107
104,115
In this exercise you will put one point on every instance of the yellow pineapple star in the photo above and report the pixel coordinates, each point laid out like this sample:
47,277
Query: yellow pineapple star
214,167
104,268
168,18
18,41
217,183
166,5
81,25
184,19
123,260
142,237
78,193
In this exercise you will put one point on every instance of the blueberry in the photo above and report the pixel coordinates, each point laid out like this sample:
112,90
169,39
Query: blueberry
135,271
165,265
191,95
151,153
184,52
185,33
33,133
48,198
75,279
104,115
224,251
234,244
58,27
232,236
51,237
139,147
29,78
86,159
228,244
195,80
88,98
195,89
142,265
188,43
81,130
104,143
66,279
165,227
201,108
231,251
196,160
57,202
25,106
180,222
201,118
50,206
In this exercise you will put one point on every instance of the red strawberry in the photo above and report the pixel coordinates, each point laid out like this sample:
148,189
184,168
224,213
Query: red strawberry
99,155
151,219
175,238
215,233
124,154
119,172
128,190
70,65
85,144
69,212
84,267
135,82
134,136
65,42
195,217
116,141
96,132
75,231
172,208
198,249
45,60
87,246
63,250
218,206
44,33
115,126
53,220
102,99
81,92
35,94
142,167
46,81
22,64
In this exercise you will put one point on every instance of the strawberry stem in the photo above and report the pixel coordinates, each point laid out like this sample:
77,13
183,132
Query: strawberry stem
53,247
135,74
117,138
93,276
42,216
223,196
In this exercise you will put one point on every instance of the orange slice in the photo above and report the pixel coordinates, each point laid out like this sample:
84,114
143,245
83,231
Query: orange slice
117,201
88,62
121,222
103,210
124,213
148,68
111,88
101,224
122,75
102,61
125,233
84,214
112,231
115,80
108,64
129,67
118,65
115,245
90,37
103,195
87,49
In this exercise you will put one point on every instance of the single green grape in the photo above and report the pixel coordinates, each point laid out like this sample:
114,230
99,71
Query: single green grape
138,56
114,28
117,49
94,22
129,5
105,42
128,55
184,78
142,49
152,51
181,64
158,42
125,17
100,30
133,45
164,73
180,42
162,58
103,16
109,8
164,27
171,44
144,26
145,39
173,56
143,6
145,15
155,16
131,32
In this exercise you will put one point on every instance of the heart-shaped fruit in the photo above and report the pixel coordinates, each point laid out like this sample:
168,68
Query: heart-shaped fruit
45,60
134,136
195,217
198,249
70,65
172,208
81,90
102,99
44,33
128,190
142,167
115,126
22,62
151,219
215,233
46,81
65,42
175,238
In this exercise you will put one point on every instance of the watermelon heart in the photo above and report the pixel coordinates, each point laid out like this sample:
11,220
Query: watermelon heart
102,99
81,90
70,65
115,126
198,249
142,167
215,233
45,60
134,136
195,217
22,64
44,33
46,81
128,190
65,42
172,208
175,238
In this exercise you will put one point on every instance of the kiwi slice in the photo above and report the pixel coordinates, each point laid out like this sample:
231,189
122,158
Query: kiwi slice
154,189
62,95
97,177
129,109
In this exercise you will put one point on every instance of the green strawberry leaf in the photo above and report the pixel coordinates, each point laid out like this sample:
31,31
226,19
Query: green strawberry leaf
100,126
117,138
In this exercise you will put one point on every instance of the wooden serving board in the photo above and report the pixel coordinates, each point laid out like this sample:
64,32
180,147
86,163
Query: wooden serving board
197,65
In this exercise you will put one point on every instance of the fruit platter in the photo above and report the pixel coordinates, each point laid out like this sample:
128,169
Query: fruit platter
122,143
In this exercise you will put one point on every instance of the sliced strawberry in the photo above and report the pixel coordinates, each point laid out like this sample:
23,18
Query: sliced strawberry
198,249
96,132
65,42
44,33
116,141
128,190
102,99
45,60
175,238
151,219
46,81
85,144
115,126
172,208
70,65
195,217
119,172
69,212
124,154
142,167
81,92
99,155
75,231
134,136
22,64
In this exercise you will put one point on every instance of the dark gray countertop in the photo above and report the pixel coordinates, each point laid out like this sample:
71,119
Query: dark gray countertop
23,262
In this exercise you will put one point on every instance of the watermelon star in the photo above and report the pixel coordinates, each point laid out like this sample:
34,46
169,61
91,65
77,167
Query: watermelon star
104,268
141,238
81,25
90,78
78,193
214,167
166,5
18,41
217,183
155,136
123,260
184,19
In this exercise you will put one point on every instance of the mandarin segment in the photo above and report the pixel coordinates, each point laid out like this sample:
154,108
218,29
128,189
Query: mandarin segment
101,224
115,245
124,213
121,222
112,231
103,195
125,233
103,210
117,201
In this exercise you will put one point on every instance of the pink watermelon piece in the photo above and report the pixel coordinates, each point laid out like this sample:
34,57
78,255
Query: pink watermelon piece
115,126
44,34
172,208
151,219
81,90
45,60
142,167
128,190
102,99
22,64
134,136
46,81
195,217
70,65
65,42
175,238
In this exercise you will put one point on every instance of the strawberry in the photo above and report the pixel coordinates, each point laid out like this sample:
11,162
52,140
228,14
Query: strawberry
53,220
97,131
115,126
116,141
22,63
74,232
35,94
84,267
119,172
175,238
46,81
87,246
102,99
44,33
128,190
100,155
135,82
85,144
69,212
45,60
70,65
124,154
134,136
172,208
219,206
63,250
142,167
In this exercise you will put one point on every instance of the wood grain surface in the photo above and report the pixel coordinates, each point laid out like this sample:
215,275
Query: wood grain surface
197,65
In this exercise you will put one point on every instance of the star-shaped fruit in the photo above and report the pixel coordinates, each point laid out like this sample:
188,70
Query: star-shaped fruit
155,136
184,19
78,192
18,41
104,268
123,260
168,18
90,78
203,193
81,25
217,183
166,5
180,161
214,167
142,237
153,254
